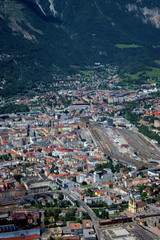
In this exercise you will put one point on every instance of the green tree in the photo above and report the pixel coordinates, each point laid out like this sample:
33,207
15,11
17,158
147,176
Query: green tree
18,177
144,194
39,149
61,196
46,220
145,223
47,204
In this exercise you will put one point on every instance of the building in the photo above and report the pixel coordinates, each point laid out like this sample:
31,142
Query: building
84,121
100,176
38,187
110,122
67,237
89,234
76,229
156,123
87,224
136,207
72,199
80,212
65,183
153,173
91,200
21,234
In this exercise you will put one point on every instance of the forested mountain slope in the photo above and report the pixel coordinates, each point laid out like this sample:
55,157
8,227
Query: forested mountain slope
41,37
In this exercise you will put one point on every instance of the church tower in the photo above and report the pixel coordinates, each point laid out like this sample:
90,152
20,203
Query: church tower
132,206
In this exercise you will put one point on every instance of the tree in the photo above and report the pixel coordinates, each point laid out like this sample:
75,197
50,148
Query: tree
105,215
64,204
117,168
18,177
74,179
42,170
145,223
45,213
84,183
70,216
47,204
144,194
89,192
141,188
141,174
149,201
46,220
51,238
39,149
61,196
79,169
57,211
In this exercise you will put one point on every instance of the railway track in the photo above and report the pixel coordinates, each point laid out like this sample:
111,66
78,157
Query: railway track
139,145
102,144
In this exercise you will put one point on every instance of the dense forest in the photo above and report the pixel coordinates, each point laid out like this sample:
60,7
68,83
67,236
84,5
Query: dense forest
12,108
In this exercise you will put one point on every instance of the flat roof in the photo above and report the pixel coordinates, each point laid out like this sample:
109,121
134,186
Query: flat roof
120,232
89,233
126,238
122,141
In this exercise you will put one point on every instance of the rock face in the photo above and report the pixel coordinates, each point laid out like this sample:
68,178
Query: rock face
147,15
43,37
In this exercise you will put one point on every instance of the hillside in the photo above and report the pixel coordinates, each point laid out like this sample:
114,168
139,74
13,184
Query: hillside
39,38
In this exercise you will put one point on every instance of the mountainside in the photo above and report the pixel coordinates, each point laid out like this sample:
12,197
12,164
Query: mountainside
39,38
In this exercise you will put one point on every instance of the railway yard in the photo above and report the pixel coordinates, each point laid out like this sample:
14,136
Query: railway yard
123,144
144,149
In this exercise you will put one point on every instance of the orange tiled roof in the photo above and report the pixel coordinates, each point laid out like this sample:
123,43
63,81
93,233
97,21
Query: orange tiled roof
75,226
87,223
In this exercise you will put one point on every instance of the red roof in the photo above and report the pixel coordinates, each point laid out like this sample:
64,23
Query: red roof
27,153
70,237
81,157
31,237
75,226
20,187
140,204
112,196
64,150
116,198
59,175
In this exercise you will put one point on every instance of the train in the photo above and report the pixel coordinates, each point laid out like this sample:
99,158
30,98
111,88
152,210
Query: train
113,221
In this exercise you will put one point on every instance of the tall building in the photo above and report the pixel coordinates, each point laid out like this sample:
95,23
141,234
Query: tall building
136,207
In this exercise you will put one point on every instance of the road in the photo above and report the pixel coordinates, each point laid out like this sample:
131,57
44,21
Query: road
94,218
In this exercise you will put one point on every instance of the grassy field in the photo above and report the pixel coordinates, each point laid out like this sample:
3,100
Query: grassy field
156,46
154,73
132,76
127,46
86,186
114,215
84,73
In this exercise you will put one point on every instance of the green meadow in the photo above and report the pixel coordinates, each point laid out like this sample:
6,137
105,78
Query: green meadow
154,73
127,46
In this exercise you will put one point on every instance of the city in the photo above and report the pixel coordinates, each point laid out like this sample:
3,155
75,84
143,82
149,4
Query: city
76,164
